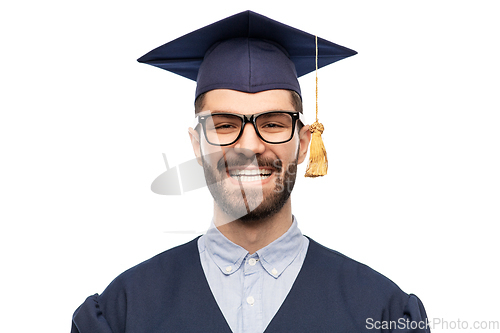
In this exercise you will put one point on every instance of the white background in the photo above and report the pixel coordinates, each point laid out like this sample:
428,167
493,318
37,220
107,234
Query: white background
411,131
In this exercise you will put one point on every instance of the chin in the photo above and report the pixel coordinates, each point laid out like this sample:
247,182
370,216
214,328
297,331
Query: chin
252,208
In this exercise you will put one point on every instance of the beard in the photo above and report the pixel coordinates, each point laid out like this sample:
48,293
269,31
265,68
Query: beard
250,204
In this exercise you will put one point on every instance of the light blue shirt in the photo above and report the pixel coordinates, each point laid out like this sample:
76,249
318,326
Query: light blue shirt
250,289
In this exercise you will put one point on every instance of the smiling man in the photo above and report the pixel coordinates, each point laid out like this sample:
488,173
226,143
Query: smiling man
253,271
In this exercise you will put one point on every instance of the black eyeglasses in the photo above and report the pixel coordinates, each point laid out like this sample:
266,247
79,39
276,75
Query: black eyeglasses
224,129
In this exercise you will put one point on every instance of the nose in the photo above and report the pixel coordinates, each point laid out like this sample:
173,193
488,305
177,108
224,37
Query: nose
249,143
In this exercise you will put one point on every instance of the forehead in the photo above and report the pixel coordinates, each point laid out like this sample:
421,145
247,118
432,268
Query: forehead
247,103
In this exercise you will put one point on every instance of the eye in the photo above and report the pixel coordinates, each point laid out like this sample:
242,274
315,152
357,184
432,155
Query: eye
274,121
225,126
223,123
272,125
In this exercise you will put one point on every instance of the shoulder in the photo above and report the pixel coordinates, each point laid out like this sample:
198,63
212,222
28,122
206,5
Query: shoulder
150,296
334,262
345,292
356,281
144,277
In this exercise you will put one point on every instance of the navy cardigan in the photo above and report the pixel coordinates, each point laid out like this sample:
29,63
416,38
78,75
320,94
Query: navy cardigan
169,293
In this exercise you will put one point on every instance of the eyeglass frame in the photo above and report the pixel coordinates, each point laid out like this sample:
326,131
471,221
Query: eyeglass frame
248,119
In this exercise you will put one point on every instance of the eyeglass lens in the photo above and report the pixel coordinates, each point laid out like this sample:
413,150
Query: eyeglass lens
273,127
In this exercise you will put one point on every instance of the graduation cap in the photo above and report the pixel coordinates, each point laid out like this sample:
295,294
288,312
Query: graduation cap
249,52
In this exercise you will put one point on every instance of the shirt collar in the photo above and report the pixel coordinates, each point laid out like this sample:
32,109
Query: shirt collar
275,257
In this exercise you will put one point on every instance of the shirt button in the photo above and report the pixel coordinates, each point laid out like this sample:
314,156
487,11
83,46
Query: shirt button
274,271
252,262
229,269
250,300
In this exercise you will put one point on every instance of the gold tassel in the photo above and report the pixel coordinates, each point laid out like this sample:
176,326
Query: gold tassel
318,162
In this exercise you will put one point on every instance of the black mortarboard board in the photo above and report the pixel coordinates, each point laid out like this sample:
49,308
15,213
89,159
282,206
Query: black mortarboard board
246,52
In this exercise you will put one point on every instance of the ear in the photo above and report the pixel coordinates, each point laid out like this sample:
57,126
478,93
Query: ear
305,139
195,142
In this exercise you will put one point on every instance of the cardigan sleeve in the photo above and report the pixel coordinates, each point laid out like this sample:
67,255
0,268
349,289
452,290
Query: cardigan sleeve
414,317
88,318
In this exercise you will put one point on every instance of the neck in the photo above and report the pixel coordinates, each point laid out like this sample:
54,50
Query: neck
254,235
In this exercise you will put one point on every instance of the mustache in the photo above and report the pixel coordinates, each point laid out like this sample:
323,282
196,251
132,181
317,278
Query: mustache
241,161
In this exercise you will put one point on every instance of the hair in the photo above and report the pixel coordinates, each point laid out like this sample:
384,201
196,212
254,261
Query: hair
297,105
296,102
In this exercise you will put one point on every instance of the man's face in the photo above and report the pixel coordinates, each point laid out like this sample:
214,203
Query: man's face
250,179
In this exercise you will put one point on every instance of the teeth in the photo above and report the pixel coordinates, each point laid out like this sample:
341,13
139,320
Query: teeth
250,179
251,172
245,175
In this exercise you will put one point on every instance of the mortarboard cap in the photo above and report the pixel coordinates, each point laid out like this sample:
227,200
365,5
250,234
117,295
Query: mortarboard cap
246,52
249,52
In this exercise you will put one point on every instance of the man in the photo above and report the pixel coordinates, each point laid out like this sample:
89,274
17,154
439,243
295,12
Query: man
253,271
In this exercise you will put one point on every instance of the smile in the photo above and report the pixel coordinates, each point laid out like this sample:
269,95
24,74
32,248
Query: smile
250,175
